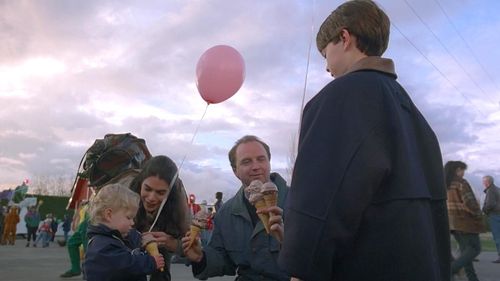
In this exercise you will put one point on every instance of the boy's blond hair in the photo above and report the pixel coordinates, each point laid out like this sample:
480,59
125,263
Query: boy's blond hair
115,197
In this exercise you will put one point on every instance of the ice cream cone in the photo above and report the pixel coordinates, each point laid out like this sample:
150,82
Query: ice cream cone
195,230
152,249
270,193
271,199
261,204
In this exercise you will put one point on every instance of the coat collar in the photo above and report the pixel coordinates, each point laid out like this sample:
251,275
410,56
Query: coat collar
492,186
101,229
374,63
239,208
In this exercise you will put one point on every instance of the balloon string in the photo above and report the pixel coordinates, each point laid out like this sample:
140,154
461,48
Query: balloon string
194,135
307,67
176,175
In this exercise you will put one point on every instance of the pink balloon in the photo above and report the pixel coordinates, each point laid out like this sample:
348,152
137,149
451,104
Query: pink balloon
219,73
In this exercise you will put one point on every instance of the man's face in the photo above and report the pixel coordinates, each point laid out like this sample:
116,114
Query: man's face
252,163
486,182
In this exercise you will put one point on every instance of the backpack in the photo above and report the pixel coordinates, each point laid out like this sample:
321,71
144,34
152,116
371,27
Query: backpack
112,156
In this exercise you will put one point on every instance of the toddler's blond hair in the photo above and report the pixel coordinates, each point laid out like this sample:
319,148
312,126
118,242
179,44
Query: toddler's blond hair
115,197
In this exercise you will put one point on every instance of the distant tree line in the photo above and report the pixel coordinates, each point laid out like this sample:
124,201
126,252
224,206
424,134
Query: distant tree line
51,185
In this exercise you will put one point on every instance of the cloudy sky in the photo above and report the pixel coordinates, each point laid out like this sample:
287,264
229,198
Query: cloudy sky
73,71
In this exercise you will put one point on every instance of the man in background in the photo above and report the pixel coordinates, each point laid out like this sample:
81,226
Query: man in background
491,208
218,201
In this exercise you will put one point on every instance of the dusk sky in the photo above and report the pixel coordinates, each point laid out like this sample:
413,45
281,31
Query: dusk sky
73,71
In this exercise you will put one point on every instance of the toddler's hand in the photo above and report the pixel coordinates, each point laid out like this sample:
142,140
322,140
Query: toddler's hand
160,261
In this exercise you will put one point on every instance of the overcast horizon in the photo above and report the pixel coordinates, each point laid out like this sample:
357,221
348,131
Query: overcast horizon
73,71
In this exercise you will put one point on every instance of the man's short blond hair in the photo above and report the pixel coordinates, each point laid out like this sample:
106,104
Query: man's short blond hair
115,197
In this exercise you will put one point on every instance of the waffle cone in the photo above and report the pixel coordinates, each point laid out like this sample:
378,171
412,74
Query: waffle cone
195,231
271,199
265,221
152,249
264,218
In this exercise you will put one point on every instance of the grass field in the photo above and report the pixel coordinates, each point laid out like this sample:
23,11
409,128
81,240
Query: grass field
487,243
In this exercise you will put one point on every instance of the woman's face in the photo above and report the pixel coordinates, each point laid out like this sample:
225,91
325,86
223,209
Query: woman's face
153,191
460,172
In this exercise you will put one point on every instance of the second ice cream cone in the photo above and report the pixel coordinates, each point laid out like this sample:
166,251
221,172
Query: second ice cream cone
195,231
271,199
270,193
199,222
261,204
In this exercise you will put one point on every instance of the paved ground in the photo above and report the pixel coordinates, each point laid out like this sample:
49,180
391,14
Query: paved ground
18,263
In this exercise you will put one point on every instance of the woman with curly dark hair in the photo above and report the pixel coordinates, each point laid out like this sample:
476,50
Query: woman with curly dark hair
156,182
464,216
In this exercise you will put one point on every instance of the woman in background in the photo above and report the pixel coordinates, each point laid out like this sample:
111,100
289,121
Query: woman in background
465,218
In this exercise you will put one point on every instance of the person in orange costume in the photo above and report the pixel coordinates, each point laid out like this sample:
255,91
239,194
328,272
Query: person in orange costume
10,222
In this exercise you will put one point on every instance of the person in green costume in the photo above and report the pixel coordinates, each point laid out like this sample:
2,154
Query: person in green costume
78,238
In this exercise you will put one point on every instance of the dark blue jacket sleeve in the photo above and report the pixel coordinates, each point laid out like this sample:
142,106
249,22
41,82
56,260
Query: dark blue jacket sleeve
123,260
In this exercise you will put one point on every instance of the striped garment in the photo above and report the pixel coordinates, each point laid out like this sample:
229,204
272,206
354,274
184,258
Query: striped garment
463,208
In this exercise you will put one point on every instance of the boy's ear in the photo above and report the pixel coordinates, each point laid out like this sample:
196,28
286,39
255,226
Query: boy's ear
347,38
345,35
342,34
108,213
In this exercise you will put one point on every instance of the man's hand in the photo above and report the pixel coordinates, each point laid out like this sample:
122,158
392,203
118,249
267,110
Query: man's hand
163,239
275,222
193,252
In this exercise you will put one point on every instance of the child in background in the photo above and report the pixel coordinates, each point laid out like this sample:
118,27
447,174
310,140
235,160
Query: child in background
54,225
44,232
32,219
114,248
